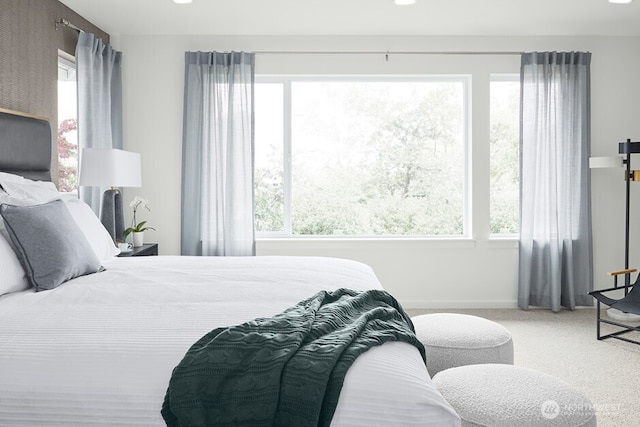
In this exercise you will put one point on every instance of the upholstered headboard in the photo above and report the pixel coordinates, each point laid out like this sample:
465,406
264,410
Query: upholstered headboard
25,145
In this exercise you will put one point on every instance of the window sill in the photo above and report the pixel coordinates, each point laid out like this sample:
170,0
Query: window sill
387,243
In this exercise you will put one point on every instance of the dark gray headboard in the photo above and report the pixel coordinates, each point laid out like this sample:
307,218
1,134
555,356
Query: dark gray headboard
25,145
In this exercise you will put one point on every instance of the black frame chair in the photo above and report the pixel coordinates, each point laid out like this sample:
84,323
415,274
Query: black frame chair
630,303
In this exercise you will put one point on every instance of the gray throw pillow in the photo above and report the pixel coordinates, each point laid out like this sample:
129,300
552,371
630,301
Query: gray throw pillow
49,244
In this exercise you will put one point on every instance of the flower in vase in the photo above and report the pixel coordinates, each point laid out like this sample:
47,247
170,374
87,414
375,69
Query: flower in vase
137,227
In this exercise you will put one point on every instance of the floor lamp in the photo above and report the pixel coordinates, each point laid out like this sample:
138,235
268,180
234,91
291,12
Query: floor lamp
110,168
626,149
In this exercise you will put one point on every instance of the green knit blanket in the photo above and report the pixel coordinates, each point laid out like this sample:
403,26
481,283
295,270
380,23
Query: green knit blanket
286,370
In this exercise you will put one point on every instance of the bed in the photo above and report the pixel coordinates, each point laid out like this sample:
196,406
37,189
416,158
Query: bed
99,349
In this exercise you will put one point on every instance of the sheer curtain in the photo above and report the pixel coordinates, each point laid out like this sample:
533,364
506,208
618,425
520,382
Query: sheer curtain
99,74
218,154
555,230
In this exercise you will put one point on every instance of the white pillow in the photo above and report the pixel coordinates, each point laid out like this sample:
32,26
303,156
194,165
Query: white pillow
35,191
12,275
98,236
7,177
6,198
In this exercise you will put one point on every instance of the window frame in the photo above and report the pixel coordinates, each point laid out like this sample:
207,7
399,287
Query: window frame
286,80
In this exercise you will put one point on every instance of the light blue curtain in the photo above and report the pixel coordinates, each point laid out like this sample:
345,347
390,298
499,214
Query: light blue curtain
555,231
99,76
218,154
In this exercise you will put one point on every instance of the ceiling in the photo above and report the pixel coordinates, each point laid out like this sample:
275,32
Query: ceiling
362,17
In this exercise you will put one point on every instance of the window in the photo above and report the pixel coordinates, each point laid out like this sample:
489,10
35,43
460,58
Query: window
361,156
67,125
505,169
269,158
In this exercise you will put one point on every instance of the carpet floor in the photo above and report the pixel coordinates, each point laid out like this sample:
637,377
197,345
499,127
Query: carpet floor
564,345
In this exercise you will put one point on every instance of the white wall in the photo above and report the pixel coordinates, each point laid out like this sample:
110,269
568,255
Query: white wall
421,273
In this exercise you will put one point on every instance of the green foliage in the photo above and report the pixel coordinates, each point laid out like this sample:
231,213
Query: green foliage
138,228
269,199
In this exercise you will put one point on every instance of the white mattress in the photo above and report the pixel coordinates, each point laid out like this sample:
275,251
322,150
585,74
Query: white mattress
99,350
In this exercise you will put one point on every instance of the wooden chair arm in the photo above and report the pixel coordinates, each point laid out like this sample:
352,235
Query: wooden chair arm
626,271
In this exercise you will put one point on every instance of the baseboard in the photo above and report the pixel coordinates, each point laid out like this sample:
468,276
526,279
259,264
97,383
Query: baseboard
436,305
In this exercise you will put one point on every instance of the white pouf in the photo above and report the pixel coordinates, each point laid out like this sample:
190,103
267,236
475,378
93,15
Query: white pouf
507,395
452,340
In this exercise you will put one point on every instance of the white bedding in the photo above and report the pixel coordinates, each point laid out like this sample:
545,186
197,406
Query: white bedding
99,350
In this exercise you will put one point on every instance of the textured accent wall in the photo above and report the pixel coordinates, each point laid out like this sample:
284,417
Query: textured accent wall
29,44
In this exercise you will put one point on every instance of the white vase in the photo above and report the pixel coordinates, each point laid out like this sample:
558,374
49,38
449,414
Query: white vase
138,239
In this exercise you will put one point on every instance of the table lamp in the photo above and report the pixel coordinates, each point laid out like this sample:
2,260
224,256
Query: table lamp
111,167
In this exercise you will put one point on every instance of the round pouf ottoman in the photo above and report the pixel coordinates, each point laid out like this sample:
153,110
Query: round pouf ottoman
507,395
452,340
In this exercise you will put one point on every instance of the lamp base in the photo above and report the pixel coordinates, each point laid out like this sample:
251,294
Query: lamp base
111,214
621,315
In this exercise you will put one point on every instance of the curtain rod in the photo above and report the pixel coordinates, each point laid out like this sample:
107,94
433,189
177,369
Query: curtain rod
65,23
387,52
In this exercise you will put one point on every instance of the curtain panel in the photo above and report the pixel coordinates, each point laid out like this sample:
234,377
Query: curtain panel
218,154
556,268
99,75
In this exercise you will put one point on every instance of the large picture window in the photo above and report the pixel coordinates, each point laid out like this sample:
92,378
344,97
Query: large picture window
361,156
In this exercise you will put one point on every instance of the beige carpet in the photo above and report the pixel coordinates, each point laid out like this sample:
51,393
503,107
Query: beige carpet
564,345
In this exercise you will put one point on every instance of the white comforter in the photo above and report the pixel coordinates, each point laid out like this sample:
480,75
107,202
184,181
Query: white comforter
99,350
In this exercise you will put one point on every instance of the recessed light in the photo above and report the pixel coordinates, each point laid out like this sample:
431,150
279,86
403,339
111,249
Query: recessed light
620,1
182,1
403,2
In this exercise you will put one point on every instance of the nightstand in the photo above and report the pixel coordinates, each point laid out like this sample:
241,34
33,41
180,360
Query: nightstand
148,249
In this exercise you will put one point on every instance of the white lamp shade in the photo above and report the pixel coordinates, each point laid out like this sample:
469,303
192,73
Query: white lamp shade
605,162
110,168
